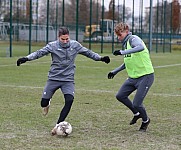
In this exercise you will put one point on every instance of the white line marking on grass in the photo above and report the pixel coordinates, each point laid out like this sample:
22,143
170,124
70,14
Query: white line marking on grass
96,91
7,65
165,66
105,91
21,86
167,95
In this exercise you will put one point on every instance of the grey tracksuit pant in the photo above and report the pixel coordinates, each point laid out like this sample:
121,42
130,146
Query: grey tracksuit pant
142,86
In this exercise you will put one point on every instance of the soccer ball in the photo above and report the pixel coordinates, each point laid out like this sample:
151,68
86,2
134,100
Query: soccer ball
64,128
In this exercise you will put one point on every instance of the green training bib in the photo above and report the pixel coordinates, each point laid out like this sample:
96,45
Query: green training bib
138,64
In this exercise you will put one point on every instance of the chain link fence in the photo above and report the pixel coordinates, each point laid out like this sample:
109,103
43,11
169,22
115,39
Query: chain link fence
91,22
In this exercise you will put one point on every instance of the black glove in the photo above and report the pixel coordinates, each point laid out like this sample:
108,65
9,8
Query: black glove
21,60
110,75
105,59
117,52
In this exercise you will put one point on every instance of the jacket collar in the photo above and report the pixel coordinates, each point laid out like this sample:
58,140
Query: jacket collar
126,38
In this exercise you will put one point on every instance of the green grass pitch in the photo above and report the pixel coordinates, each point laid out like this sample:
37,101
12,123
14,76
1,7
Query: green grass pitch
99,121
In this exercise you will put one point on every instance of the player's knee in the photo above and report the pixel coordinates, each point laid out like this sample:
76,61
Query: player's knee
69,98
119,97
44,102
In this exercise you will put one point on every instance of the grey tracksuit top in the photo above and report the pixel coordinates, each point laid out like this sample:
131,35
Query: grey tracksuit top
63,57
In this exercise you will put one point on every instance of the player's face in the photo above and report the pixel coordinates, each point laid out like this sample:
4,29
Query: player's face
64,38
122,35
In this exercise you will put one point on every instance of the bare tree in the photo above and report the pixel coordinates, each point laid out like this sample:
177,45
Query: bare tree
53,8
83,11
112,7
161,17
175,16
96,12
119,13
17,15
70,12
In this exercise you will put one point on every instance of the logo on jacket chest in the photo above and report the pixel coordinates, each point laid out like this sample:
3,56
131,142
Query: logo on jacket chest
127,55
71,49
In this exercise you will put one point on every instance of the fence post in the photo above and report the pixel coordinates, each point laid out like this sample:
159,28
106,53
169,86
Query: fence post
47,21
113,25
90,25
30,27
171,28
150,26
133,18
102,32
63,9
10,34
77,19
36,20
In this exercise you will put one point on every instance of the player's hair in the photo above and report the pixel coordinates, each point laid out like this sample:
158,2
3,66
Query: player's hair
63,31
121,27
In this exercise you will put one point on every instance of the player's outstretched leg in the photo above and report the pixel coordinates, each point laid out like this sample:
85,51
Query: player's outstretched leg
65,111
45,104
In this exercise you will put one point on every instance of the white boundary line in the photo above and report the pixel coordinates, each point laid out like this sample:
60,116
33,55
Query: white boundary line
164,66
24,64
96,91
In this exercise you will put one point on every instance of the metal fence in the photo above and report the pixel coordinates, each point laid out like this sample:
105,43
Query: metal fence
157,22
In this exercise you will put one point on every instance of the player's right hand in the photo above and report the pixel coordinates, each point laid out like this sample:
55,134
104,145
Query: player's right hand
117,52
21,60
110,75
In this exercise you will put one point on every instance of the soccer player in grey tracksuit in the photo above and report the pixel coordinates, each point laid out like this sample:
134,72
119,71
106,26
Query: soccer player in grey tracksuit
61,74
140,73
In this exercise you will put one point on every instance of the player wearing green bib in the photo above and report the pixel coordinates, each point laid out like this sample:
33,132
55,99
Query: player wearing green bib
138,64
140,72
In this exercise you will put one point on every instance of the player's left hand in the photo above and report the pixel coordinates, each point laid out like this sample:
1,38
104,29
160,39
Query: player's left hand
105,59
117,52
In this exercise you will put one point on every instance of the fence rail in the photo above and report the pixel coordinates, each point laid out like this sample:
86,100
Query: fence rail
156,21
